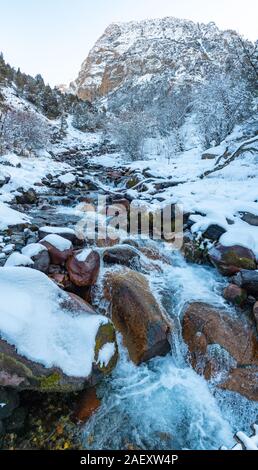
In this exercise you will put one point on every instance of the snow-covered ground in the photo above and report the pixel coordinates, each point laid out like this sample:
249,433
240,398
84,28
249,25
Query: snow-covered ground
219,198
25,172
9,217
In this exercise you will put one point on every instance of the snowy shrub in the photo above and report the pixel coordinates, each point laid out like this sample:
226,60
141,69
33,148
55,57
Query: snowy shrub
86,117
219,105
23,132
129,130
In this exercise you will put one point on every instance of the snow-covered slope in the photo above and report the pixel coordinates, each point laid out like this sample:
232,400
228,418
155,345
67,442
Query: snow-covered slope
162,49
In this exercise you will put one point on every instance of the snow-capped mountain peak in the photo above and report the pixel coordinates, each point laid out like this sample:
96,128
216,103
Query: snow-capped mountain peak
159,47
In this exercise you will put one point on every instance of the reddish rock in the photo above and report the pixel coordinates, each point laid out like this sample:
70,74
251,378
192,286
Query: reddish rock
219,327
85,293
56,256
87,405
77,303
235,294
61,280
243,381
231,259
41,261
137,315
203,326
84,273
248,280
55,269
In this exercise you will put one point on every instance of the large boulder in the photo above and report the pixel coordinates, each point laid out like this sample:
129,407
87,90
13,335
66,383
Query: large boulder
231,259
138,316
123,254
58,343
83,268
247,280
208,329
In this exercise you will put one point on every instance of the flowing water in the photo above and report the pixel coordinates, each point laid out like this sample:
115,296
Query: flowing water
164,404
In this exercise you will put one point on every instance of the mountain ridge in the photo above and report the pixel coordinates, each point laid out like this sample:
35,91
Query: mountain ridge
173,46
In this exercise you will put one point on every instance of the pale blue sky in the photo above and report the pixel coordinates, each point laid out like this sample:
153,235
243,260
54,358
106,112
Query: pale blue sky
53,37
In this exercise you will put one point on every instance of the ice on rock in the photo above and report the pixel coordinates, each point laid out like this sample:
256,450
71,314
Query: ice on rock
58,242
106,353
33,319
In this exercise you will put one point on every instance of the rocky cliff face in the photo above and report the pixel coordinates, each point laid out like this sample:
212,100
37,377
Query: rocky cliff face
164,49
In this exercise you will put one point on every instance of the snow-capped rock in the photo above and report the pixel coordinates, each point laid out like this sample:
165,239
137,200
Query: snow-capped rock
50,341
16,259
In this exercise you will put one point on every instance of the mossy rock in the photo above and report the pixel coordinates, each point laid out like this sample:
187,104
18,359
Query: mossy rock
232,259
106,334
20,373
132,181
50,382
195,250
49,423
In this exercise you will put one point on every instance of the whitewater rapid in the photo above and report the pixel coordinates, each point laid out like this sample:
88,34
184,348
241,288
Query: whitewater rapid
165,404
